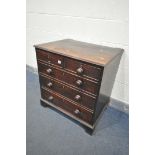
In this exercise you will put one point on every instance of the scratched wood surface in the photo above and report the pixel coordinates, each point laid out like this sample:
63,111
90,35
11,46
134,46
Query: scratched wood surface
92,53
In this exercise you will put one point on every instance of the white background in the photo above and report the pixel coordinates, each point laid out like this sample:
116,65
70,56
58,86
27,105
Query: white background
102,22
13,78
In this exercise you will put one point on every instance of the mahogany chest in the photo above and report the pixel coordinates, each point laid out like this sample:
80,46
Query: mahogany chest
77,78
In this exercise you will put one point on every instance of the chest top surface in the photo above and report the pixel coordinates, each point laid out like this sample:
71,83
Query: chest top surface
92,53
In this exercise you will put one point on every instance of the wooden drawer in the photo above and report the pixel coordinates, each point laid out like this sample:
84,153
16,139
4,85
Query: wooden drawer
73,94
71,74
51,58
74,80
56,59
82,68
66,105
77,67
42,55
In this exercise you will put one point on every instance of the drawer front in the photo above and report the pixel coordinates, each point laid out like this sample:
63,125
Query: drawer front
75,66
50,58
73,94
56,59
66,105
74,80
42,55
83,69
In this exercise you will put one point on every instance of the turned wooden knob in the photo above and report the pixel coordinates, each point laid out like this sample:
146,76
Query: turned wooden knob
49,70
80,70
79,82
77,111
49,84
77,97
50,98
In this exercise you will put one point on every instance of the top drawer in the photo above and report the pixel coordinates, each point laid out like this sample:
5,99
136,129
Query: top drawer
83,69
42,55
48,57
80,68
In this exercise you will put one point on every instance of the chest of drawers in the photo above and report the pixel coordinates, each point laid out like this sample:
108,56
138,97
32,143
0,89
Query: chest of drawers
77,78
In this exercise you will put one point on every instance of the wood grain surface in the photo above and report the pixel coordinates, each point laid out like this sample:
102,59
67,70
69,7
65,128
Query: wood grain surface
96,54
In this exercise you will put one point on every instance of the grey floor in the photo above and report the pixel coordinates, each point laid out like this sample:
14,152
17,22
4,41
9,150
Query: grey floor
50,133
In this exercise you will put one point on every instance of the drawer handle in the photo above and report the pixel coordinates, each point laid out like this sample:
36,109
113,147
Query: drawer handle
77,111
79,82
49,84
80,70
59,62
77,97
50,98
49,70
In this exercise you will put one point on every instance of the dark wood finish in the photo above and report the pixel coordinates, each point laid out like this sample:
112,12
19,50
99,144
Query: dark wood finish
56,59
77,78
81,83
80,68
85,100
83,69
50,58
95,54
67,105
42,55
107,84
